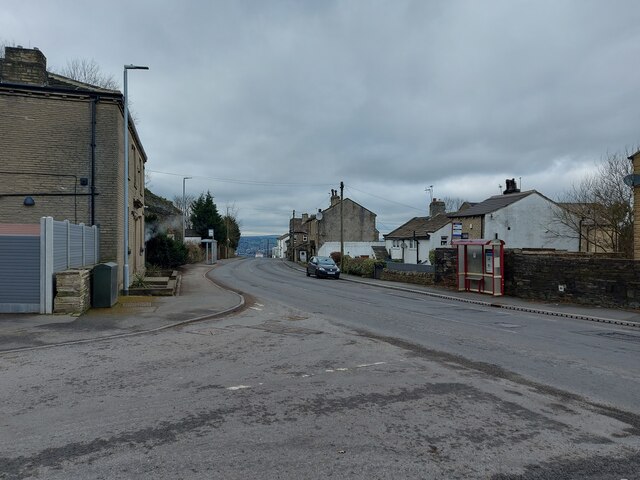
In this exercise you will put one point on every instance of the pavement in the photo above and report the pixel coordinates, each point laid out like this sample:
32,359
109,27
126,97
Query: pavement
199,298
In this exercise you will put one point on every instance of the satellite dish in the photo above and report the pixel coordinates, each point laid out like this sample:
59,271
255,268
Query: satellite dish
631,180
319,216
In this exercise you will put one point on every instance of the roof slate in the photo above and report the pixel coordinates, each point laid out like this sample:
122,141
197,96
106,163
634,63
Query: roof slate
491,204
421,225
57,80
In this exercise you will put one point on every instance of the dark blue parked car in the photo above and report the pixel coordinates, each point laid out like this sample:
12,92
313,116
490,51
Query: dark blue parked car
323,267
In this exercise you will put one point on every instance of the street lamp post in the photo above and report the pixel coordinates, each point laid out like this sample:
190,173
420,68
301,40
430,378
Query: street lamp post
184,208
125,275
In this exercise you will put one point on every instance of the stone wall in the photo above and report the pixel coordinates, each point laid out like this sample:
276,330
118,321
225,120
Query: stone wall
73,291
579,278
417,278
582,278
446,262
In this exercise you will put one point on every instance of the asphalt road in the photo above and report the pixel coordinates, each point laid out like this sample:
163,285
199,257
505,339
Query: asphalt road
315,379
599,362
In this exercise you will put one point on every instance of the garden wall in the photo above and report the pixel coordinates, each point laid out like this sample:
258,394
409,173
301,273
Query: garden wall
579,278
588,279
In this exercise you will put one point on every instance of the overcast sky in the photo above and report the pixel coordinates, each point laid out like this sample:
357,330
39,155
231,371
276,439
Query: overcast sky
270,104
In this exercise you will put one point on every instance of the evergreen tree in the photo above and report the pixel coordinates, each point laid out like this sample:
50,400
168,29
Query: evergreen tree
204,215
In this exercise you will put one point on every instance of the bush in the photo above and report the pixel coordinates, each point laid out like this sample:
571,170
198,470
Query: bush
363,267
336,256
153,270
166,252
195,253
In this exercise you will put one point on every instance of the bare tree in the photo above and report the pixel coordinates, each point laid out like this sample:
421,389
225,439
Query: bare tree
453,204
185,206
3,44
233,226
598,210
88,71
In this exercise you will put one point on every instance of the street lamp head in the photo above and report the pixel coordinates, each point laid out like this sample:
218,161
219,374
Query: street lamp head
135,67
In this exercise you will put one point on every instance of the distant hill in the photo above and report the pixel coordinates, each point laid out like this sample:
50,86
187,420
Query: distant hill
250,245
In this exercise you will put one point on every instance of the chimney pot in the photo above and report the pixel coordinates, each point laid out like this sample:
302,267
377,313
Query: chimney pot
436,207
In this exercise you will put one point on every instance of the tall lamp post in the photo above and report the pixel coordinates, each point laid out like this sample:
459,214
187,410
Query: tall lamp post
125,276
184,207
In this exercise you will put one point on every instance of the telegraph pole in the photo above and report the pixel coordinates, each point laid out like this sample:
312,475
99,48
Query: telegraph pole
341,226
293,237
227,228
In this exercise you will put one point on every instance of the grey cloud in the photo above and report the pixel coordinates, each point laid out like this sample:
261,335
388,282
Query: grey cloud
389,97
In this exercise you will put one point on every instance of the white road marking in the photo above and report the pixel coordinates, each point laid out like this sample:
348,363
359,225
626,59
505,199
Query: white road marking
370,364
256,308
239,387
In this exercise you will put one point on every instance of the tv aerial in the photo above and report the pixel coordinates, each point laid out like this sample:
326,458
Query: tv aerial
429,190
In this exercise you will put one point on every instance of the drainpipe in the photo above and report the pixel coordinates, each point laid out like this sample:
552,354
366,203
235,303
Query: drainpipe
415,241
94,103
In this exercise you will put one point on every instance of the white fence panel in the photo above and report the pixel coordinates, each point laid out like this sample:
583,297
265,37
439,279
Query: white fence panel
30,256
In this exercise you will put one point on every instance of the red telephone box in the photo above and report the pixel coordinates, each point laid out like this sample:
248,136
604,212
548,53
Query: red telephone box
480,266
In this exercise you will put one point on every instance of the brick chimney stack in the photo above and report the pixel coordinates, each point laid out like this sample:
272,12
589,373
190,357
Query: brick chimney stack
335,198
23,65
436,207
512,187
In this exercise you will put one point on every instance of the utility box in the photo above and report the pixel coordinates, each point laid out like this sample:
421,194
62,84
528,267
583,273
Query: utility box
104,285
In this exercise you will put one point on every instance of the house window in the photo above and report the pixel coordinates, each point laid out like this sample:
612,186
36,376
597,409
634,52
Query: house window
304,238
139,172
132,166
443,239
